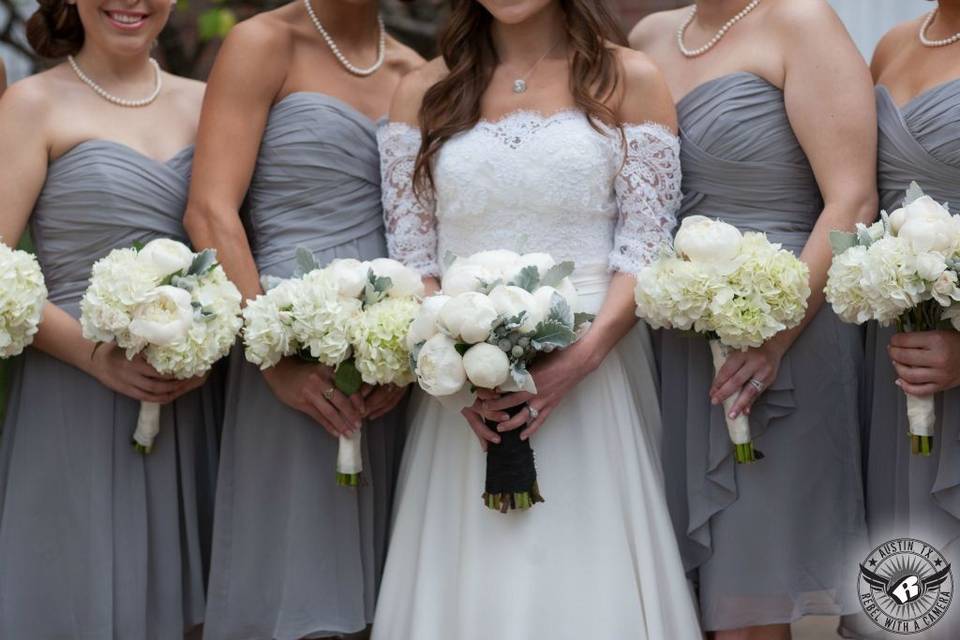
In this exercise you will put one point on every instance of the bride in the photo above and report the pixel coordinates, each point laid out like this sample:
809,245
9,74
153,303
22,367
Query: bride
540,132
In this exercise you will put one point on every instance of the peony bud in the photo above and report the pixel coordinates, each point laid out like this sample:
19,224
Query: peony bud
486,366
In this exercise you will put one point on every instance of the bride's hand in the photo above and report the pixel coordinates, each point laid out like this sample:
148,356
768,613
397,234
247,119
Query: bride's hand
760,364
555,376
309,388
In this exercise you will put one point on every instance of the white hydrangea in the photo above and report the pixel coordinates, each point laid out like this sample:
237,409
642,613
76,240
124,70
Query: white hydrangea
267,335
378,336
119,283
320,319
22,297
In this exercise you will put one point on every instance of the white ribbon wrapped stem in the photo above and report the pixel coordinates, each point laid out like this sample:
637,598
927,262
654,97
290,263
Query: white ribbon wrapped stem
739,427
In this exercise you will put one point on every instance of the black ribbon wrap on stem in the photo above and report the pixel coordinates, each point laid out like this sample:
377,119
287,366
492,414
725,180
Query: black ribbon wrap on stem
511,470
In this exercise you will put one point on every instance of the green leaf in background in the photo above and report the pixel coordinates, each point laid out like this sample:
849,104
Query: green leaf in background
560,311
528,278
840,241
306,262
555,275
347,378
914,193
215,23
552,334
203,262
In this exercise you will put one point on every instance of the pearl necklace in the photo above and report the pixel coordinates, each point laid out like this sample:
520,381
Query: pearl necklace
357,71
713,42
109,97
925,41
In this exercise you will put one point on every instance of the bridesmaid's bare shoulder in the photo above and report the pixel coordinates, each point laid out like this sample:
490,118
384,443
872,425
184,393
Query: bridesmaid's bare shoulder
3,77
401,58
655,28
409,94
804,19
893,42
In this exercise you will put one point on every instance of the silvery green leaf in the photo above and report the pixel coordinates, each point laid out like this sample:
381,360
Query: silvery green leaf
187,283
305,261
528,279
560,311
885,217
580,319
555,274
840,241
863,237
203,262
953,264
515,322
448,259
487,286
519,374
381,284
552,334
269,282
414,354
914,193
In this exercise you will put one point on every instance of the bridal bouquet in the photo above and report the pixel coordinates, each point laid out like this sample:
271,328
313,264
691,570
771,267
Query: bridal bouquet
22,296
497,312
164,301
351,316
903,269
739,290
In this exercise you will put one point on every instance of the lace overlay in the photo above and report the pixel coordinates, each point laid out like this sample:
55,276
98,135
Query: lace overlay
530,182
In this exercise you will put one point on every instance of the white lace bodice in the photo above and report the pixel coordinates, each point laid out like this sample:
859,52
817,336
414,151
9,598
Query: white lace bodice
530,182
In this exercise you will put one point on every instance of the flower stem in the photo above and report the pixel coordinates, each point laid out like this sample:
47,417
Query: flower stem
348,479
921,445
745,453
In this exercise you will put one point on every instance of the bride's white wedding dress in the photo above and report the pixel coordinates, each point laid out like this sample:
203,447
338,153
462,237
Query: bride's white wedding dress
598,560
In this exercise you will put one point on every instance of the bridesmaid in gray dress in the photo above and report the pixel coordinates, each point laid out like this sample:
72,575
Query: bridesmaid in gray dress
96,540
918,104
289,126
779,146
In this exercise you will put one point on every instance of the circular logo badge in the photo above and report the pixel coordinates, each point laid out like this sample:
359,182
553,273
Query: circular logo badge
905,586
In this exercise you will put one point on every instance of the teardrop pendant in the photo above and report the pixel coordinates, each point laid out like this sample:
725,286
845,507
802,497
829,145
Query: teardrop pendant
519,86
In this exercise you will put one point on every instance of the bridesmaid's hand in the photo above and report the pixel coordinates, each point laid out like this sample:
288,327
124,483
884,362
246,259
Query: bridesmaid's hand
309,388
760,364
927,362
555,376
136,378
381,399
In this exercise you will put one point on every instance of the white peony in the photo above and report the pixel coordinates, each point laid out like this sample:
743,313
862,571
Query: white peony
544,297
463,276
164,317
498,261
440,369
930,265
542,261
486,366
927,226
510,301
22,297
468,317
165,257
701,239
405,282
350,276
424,326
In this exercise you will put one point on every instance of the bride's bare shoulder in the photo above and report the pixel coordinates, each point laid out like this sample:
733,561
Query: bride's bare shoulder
409,94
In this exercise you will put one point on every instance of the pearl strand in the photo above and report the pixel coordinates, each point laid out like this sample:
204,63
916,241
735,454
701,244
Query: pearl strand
357,71
719,36
925,41
109,97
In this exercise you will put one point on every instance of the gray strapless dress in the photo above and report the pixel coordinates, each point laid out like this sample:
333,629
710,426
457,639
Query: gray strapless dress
97,541
294,554
773,541
911,495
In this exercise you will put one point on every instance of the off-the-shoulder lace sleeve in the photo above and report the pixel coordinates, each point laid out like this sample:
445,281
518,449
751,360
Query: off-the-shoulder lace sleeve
410,222
648,196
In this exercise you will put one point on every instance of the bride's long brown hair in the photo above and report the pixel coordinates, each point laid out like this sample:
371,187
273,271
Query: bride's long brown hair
452,105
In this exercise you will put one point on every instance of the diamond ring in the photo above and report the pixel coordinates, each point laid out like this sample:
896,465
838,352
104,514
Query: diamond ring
756,384
328,394
533,412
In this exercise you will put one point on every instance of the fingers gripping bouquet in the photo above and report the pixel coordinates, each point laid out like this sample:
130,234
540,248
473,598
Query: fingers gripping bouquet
739,290
22,296
497,313
350,316
164,301
903,269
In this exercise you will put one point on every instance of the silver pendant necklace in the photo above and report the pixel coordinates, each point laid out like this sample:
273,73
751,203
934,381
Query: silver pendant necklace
520,84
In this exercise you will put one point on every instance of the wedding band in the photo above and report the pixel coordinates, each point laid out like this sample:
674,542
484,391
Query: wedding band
328,394
756,384
533,412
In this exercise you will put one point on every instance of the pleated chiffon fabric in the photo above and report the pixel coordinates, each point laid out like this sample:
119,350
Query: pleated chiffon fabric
96,540
770,542
294,554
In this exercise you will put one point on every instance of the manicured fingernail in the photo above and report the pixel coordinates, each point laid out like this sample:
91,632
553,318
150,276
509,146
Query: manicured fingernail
501,428
732,414
898,382
524,437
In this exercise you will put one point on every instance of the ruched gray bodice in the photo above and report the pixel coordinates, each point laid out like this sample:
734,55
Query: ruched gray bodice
907,494
742,163
741,160
281,520
99,196
317,180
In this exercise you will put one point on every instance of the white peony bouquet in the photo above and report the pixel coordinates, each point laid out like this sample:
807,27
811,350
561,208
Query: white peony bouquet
497,312
739,290
903,269
351,316
174,306
22,296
